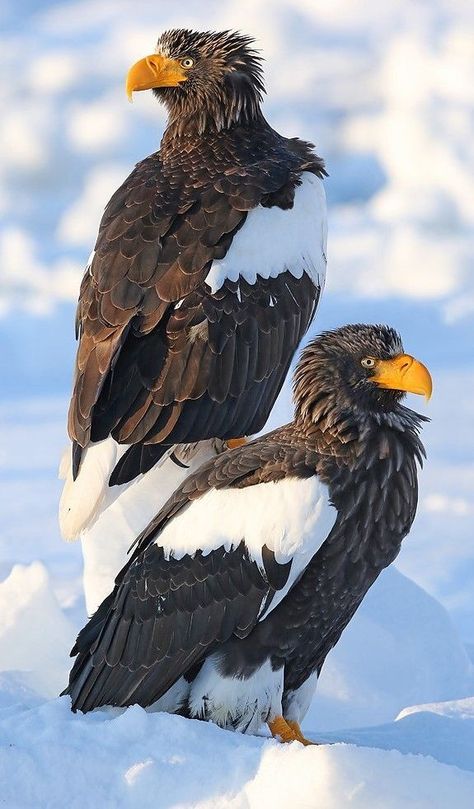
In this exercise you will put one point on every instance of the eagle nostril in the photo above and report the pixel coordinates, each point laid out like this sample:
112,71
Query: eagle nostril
152,63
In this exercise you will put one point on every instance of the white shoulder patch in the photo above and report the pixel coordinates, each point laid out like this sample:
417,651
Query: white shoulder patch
292,517
273,241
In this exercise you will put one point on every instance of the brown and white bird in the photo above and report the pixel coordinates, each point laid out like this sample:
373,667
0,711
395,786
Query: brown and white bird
244,581
207,271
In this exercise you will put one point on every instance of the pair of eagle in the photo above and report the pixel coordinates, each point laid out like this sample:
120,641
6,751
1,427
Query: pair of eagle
253,555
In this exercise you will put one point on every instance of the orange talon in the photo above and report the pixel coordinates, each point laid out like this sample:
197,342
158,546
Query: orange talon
236,442
299,733
279,728
288,731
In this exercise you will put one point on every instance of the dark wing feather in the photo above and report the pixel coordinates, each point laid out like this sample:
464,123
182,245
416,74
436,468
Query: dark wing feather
154,341
165,615
223,383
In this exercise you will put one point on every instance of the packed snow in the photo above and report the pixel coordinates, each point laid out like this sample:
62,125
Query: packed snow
386,93
156,760
114,758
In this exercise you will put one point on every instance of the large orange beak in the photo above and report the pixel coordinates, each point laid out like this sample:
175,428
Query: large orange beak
403,373
154,71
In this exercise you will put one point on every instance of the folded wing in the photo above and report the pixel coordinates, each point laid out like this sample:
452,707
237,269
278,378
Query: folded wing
211,565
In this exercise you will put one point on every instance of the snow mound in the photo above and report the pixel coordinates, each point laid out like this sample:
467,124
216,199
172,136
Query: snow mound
112,758
55,759
456,708
35,635
425,730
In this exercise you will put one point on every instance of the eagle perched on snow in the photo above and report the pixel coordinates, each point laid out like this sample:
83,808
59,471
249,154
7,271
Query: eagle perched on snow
243,582
207,271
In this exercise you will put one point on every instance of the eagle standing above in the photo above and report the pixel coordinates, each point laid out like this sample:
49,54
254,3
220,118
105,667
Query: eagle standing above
207,271
242,584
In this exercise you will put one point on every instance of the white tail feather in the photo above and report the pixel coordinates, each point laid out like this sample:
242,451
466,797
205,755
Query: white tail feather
83,499
107,539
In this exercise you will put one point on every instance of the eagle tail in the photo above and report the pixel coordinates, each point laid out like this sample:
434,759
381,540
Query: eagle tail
124,511
87,494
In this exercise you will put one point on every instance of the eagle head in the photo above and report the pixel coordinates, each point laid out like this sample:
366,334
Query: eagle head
205,78
355,371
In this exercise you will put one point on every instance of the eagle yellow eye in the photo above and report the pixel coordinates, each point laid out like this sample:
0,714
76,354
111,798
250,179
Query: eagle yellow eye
368,362
187,63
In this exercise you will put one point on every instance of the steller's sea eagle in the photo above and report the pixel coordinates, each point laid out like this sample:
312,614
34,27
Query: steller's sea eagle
207,271
242,584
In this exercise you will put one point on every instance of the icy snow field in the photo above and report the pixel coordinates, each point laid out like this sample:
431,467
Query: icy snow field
387,94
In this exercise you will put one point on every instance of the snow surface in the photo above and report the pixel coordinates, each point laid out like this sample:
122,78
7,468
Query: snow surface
386,93
156,760
113,758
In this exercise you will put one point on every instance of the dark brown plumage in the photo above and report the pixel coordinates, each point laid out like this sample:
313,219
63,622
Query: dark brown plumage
163,358
220,615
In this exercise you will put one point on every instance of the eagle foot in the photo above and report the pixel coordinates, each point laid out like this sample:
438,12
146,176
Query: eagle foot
236,442
287,731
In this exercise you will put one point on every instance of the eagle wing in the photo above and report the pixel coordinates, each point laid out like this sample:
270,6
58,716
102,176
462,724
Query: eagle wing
163,357
166,613
171,606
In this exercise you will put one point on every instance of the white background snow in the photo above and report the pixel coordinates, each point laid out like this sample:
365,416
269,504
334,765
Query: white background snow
386,92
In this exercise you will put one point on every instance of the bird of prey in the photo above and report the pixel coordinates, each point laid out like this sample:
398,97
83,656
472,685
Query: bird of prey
207,271
238,589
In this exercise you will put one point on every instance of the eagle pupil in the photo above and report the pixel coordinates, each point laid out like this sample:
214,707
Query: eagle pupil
368,362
